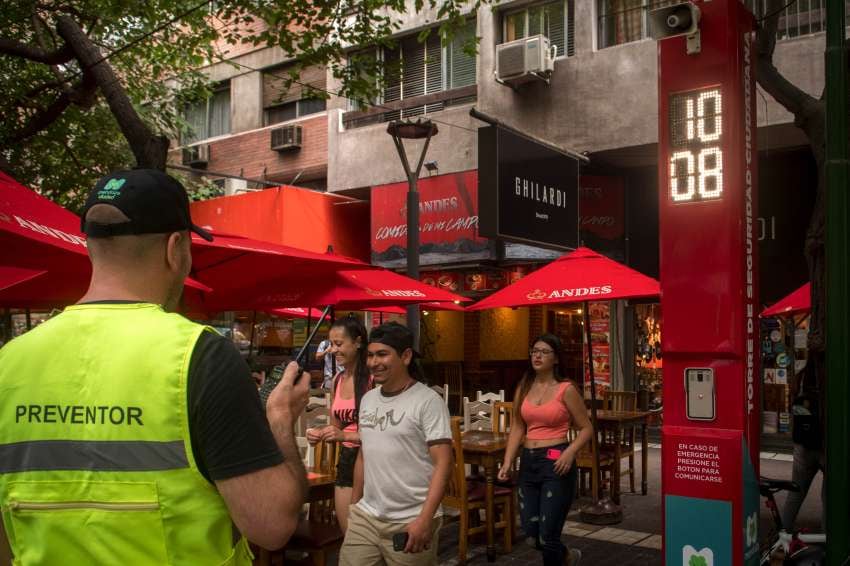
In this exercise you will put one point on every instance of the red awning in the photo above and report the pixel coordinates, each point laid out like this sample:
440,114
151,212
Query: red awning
582,275
799,301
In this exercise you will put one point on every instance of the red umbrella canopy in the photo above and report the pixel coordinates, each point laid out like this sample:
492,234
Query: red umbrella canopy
797,302
44,261
297,312
582,275
347,289
241,271
43,239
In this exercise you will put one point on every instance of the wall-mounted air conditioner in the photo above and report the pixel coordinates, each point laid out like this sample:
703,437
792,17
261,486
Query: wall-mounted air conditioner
196,155
525,60
287,138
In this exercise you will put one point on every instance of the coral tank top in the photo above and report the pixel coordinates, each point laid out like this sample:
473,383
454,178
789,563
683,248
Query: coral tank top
549,420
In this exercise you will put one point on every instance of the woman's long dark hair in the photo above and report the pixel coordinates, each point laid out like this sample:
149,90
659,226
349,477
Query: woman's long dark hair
354,329
528,377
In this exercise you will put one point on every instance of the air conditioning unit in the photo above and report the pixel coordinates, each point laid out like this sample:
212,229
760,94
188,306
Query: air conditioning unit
525,60
287,138
196,155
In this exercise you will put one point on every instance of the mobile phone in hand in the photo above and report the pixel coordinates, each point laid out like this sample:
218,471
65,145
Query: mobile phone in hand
400,541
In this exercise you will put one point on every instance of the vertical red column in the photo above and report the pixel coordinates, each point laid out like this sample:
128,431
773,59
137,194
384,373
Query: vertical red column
707,188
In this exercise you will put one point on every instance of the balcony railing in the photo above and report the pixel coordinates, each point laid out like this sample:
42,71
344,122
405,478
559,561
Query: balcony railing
415,106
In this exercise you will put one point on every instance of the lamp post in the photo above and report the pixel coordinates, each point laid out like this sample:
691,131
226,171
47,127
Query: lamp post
408,130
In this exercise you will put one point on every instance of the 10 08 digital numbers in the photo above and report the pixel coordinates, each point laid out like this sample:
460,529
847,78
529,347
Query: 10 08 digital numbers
696,151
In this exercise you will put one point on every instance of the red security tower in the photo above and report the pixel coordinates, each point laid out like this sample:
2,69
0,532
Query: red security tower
707,186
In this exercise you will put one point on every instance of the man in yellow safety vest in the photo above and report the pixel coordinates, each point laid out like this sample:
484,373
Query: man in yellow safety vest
129,434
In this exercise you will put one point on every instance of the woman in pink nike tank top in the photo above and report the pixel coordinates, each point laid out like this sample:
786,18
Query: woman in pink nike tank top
349,340
546,406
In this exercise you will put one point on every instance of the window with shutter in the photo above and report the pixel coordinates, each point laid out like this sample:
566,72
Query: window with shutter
282,102
414,69
552,19
461,64
208,118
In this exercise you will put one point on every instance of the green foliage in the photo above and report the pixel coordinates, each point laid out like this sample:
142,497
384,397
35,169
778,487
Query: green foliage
697,561
163,72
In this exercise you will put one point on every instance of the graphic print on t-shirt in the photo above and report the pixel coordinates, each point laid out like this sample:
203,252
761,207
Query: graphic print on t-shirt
380,420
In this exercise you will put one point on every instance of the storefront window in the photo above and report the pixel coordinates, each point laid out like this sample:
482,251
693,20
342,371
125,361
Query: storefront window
648,354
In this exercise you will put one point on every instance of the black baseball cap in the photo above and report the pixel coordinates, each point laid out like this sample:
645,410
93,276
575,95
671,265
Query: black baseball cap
154,202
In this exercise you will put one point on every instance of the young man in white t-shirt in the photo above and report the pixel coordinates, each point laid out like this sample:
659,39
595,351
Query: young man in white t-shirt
404,461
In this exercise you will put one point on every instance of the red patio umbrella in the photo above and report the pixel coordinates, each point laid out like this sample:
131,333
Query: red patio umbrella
362,289
297,312
799,301
242,271
43,256
580,276
42,238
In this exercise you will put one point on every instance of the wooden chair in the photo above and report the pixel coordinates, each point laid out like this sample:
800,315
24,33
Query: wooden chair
442,392
318,416
490,397
503,414
453,378
469,499
477,415
586,464
318,534
619,400
623,401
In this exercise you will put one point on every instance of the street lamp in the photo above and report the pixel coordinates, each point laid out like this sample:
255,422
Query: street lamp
409,130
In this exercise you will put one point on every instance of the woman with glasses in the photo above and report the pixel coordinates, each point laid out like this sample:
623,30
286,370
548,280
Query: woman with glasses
546,406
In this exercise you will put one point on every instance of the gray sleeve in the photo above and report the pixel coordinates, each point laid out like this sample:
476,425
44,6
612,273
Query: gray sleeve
436,423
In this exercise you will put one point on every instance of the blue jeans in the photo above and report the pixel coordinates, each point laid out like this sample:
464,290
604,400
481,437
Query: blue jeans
544,501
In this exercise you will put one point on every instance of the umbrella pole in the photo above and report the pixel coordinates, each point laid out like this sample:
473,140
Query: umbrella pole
253,335
605,511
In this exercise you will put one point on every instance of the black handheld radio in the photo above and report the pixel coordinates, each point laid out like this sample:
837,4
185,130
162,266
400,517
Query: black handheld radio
301,359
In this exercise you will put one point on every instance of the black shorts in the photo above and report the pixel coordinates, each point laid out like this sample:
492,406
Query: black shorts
345,466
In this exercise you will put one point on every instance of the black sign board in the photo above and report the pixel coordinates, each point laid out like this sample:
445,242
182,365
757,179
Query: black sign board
527,192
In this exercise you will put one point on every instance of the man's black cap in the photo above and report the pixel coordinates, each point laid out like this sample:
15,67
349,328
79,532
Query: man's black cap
154,202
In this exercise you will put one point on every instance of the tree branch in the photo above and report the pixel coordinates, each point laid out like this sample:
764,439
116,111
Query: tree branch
17,49
150,150
791,97
83,94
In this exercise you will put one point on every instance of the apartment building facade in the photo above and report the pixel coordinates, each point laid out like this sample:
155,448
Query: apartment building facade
600,100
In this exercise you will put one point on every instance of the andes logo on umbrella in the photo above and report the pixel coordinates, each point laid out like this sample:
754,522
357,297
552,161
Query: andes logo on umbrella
538,295
395,293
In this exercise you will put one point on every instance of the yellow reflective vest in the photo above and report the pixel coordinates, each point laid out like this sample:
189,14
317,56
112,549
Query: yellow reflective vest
96,464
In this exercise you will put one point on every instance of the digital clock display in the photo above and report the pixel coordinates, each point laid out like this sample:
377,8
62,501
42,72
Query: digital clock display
696,145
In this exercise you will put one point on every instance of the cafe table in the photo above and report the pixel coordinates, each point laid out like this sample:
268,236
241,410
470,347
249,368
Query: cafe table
486,449
617,422
320,487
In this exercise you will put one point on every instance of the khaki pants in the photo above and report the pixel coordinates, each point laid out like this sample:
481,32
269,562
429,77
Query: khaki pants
369,542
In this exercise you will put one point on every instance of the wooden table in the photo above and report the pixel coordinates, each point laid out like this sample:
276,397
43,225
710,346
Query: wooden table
618,421
486,449
320,486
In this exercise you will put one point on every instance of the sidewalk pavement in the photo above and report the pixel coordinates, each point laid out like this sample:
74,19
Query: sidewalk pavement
636,541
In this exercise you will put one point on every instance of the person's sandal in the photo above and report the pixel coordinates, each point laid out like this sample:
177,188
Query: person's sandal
573,557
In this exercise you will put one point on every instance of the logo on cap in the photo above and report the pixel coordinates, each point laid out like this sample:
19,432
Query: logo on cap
111,189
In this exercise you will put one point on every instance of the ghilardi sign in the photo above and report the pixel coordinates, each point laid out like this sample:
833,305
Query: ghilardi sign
527,192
